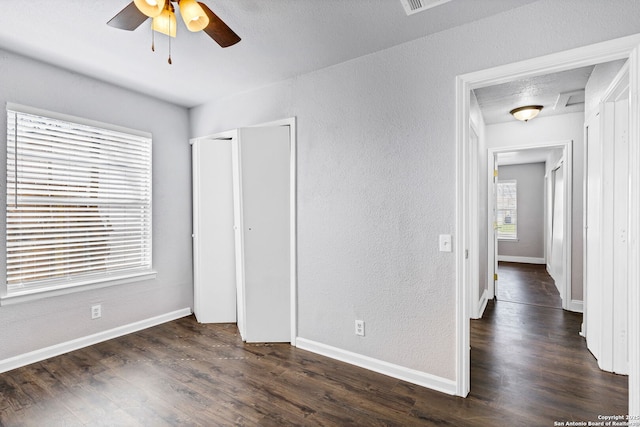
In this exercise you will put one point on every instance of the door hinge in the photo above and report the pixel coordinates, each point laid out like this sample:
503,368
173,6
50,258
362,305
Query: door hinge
495,277
495,225
466,254
495,173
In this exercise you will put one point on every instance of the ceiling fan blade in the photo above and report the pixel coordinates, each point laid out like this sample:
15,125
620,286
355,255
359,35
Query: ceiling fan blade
218,30
128,18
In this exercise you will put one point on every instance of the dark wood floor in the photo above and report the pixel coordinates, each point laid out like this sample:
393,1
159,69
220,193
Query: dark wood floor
529,368
527,284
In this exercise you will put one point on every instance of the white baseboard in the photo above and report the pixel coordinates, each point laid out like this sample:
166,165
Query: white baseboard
58,349
575,305
482,304
420,378
521,259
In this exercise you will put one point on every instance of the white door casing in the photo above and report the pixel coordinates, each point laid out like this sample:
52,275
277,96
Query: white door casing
626,47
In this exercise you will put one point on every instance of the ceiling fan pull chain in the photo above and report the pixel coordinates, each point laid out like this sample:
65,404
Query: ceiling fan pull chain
153,39
169,44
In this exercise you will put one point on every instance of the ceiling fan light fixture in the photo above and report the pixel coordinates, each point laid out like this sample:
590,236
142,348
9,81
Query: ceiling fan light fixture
151,8
165,23
193,15
526,112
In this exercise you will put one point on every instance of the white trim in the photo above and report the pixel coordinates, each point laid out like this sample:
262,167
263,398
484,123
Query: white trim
28,295
625,47
634,235
576,306
521,259
463,293
473,241
58,349
413,376
482,304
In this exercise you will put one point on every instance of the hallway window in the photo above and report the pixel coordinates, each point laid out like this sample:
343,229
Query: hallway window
507,209
78,202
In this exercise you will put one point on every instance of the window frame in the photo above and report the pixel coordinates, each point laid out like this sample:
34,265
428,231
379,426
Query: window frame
85,282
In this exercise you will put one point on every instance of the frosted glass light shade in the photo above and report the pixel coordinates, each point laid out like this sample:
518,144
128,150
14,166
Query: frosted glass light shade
151,8
526,113
165,23
194,17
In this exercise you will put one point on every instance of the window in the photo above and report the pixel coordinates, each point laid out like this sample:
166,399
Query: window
507,209
78,202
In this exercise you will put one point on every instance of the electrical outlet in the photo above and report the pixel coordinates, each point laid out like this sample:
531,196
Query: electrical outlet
96,311
360,327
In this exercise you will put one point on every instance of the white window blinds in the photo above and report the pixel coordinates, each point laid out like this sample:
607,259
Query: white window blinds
78,202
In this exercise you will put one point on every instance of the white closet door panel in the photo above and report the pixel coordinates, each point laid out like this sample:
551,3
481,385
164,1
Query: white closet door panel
214,260
264,169
620,244
593,257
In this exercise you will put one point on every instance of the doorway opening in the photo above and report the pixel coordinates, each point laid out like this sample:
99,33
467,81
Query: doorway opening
543,176
466,217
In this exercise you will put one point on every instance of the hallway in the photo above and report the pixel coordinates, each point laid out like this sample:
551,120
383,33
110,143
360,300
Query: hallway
528,360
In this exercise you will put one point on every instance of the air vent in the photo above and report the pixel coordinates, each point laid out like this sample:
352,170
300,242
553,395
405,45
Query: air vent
415,6
568,99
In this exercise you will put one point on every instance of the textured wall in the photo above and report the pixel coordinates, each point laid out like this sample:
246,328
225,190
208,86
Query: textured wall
376,173
33,325
530,184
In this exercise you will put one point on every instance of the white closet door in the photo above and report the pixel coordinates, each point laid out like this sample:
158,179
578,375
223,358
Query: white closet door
264,291
213,240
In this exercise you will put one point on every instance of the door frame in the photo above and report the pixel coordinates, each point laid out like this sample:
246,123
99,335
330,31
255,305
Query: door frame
622,48
567,218
293,238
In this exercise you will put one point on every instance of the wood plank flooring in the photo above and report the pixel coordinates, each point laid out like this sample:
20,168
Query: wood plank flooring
529,368
527,284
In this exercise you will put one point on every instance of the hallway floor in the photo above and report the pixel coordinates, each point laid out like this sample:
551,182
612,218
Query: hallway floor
528,360
527,284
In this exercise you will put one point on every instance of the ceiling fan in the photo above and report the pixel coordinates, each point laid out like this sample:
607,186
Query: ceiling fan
196,16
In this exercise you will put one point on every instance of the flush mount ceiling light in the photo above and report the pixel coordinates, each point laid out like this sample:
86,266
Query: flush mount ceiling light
526,113
196,16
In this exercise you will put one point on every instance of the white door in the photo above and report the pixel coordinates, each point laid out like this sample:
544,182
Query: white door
607,286
213,239
263,162
592,246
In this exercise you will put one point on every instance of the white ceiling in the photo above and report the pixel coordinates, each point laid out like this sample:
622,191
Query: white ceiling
558,93
280,39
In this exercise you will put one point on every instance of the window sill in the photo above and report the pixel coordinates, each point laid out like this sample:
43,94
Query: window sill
17,297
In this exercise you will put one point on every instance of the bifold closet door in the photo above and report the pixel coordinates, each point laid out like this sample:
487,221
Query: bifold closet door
263,162
213,236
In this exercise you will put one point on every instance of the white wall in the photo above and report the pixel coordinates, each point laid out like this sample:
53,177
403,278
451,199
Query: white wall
553,129
31,326
376,174
530,199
